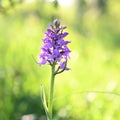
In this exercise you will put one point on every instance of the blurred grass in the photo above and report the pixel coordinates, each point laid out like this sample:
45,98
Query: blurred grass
94,63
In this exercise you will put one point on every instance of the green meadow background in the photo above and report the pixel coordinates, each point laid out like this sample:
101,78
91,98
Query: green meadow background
90,90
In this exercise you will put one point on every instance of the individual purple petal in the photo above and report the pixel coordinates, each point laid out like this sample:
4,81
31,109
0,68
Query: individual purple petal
64,34
62,65
42,62
63,27
67,68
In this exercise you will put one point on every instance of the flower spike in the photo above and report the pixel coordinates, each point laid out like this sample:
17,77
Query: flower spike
54,49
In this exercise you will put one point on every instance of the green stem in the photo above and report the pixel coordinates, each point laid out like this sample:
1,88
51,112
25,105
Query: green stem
50,100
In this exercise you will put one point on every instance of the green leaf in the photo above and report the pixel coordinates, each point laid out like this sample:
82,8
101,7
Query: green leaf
43,98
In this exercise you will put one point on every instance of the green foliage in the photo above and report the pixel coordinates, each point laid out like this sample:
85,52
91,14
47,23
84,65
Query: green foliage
95,60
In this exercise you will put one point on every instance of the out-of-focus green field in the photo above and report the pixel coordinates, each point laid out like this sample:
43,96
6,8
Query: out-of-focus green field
88,90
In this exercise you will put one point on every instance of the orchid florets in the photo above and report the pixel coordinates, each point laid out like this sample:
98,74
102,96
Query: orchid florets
55,50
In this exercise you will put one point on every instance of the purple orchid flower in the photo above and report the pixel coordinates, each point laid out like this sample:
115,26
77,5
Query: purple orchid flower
54,49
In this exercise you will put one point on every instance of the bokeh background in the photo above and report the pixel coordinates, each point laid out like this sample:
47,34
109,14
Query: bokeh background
90,90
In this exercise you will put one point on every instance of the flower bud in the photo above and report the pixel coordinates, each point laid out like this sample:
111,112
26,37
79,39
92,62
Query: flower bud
56,22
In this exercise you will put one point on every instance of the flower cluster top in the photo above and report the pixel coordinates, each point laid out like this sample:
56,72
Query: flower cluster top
55,50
